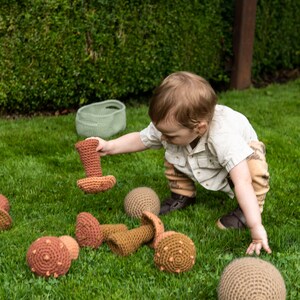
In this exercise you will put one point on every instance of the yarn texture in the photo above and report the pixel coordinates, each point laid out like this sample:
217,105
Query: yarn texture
94,185
89,157
71,245
175,253
88,232
149,218
5,220
48,256
4,203
127,242
251,278
139,200
161,237
94,182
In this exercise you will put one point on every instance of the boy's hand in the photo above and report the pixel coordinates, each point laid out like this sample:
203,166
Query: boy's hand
101,148
259,240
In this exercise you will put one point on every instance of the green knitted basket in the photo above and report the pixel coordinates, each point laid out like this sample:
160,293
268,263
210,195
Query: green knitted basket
101,119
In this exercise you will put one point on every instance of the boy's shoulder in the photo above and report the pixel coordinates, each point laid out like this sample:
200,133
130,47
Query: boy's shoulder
226,115
228,124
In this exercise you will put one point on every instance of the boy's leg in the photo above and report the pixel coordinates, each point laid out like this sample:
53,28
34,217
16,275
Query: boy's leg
258,168
182,188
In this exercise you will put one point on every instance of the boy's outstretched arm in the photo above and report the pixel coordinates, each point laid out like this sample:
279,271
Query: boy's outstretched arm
246,197
127,143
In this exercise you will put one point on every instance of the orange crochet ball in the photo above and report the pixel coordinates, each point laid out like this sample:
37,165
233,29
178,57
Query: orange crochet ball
141,199
48,256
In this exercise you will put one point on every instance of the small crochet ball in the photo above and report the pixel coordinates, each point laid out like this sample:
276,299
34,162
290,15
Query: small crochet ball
4,203
139,200
175,253
48,256
71,245
251,278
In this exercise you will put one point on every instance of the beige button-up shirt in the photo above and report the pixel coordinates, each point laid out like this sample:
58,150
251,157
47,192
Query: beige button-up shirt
223,146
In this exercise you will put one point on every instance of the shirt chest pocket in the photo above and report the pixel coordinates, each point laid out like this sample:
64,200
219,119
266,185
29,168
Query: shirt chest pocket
175,158
208,163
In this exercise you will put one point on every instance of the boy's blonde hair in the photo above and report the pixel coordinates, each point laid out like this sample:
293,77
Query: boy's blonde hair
184,96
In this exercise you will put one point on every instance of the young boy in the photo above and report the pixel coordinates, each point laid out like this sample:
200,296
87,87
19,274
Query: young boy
206,143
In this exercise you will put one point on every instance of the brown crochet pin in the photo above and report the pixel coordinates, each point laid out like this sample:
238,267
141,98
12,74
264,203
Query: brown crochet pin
48,256
94,182
126,243
89,232
174,252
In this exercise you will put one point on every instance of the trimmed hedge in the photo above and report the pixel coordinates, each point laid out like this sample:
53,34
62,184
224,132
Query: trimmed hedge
277,41
65,53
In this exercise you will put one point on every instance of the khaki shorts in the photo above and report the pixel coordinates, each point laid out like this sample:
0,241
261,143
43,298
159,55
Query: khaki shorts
180,184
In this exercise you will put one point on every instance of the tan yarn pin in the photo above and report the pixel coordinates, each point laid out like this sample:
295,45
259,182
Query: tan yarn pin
94,182
89,232
126,243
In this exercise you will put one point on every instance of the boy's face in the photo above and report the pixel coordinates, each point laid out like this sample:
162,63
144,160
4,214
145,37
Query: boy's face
176,134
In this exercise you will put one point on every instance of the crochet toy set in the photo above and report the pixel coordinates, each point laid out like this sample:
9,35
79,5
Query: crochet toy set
52,256
245,278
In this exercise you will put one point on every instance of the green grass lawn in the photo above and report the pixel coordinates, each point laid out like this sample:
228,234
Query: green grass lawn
39,167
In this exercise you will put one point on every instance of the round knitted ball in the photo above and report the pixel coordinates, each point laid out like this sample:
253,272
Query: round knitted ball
71,245
175,253
251,278
4,203
48,256
141,199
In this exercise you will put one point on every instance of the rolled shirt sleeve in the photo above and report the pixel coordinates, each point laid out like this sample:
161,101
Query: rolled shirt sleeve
151,137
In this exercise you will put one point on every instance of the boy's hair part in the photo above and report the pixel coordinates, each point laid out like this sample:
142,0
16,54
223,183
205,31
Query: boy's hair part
185,97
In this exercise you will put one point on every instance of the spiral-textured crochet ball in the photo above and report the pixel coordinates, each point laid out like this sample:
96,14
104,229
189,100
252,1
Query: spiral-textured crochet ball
251,278
71,245
48,256
141,199
175,253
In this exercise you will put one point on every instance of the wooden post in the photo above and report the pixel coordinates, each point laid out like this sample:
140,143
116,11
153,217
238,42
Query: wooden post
243,40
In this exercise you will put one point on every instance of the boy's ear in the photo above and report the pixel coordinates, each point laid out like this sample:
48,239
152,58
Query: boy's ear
201,127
